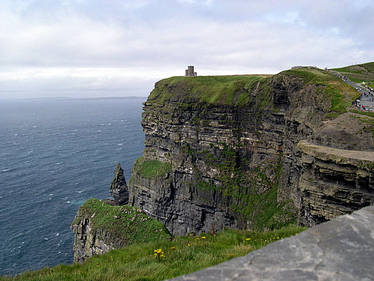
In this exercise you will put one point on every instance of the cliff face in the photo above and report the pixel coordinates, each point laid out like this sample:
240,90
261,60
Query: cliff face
223,152
334,182
89,242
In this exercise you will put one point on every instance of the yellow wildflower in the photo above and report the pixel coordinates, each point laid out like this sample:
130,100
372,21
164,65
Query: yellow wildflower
203,237
247,239
158,253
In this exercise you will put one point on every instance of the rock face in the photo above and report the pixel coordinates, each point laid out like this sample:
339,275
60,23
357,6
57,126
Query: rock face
223,152
88,243
334,181
341,249
118,188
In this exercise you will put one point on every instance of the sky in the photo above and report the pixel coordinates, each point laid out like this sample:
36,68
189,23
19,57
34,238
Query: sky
105,48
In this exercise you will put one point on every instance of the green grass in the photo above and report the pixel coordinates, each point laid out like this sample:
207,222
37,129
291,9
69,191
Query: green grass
358,73
238,89
151,168
340,94
123,223
226,90
182,255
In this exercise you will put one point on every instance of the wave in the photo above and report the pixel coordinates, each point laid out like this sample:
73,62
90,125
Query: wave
48,195
7,170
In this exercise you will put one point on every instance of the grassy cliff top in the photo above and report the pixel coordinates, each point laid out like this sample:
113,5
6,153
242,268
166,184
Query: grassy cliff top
226,90
238,89
331,87
359,73
126,223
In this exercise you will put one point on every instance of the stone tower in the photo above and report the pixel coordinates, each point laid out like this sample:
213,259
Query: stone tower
190,72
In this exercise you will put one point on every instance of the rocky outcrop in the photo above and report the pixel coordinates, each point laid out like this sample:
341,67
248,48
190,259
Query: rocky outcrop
334,181
99,227
118,187
89,242
224,150
341,249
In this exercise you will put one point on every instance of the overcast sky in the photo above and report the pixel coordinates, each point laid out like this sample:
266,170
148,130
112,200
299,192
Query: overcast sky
83,48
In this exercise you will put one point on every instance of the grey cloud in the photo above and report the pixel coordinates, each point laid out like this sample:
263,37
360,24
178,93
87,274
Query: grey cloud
219,37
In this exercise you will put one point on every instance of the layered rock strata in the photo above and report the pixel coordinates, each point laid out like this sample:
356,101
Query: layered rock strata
334,181
118,188
230,158
89,242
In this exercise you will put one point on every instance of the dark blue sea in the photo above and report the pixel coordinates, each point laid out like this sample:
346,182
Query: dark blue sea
54,155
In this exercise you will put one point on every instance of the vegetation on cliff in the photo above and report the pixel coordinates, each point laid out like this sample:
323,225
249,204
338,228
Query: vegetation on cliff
236,89
332,88
125,223
251,194
151,168
232,144
180,256
359,73
224,90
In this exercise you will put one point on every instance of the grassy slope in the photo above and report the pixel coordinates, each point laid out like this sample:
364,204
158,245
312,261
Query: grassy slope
333,88
182,255
124,223
359,73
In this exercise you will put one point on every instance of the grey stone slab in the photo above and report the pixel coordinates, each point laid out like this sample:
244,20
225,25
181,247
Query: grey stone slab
341,249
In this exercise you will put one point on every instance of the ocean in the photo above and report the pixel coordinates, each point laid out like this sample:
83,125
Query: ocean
54,155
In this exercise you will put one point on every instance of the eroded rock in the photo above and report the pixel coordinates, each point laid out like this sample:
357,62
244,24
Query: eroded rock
118,187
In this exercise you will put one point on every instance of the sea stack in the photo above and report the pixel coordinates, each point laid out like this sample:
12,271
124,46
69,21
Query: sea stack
118,188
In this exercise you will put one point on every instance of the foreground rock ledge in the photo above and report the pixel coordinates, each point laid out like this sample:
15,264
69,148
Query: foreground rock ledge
341,249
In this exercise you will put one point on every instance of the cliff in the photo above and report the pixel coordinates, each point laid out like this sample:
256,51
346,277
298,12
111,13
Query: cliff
232,151
99,227
334,182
